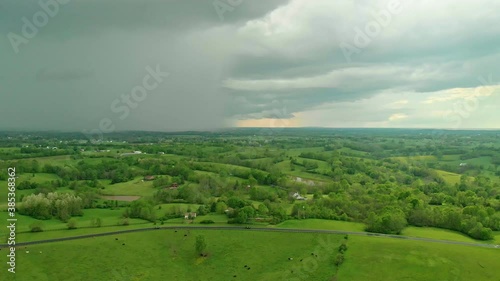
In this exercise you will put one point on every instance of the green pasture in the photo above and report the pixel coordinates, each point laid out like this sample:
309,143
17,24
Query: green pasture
386,259
170,255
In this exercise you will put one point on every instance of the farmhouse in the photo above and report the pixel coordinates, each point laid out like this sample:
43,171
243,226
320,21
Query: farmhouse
297,196
189,216
149,178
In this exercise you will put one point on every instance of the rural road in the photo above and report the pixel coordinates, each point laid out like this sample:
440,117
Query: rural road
263,229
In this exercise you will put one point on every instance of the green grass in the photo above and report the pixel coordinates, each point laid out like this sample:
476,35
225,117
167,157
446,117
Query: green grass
167,255
170,255
486,160
213,217
133,187
297,151
38,178
29,236
54,160
228,178
284,166
450,178
496,238
421,232
436,233
108,218
322,224
420,158
450,158
384,259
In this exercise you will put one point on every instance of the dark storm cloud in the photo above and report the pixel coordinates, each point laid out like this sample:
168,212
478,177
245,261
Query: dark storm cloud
264,59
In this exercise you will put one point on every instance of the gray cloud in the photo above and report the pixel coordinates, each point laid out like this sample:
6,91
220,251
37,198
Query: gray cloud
45,74
274,59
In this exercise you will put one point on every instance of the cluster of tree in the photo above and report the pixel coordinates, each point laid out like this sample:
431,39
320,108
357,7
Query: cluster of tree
261,177
46,206
261,194
241,211
339,259
141,209
388,208
27,185
114,170
391,221
476,221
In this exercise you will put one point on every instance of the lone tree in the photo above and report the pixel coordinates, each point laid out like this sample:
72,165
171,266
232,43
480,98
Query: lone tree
71,224
201,244
36,226
96,222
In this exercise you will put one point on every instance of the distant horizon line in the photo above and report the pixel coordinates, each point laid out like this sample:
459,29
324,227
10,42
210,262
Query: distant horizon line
247,128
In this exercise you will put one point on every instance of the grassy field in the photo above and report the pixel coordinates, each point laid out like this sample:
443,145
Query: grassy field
54,160
108,218
297,151
284,166
436,233
133,187
475,161
411,159
38,177
450,178
170,255
322,224
382,259
421,232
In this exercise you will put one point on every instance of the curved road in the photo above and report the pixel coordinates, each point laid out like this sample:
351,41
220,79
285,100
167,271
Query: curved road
263,229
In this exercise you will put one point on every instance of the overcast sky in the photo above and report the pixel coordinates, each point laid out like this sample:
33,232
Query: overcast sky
271,63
